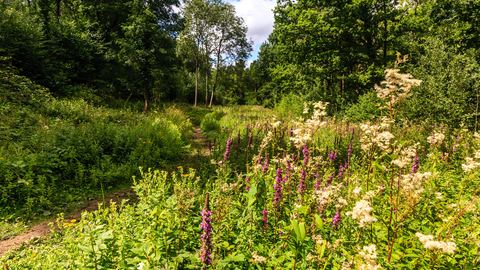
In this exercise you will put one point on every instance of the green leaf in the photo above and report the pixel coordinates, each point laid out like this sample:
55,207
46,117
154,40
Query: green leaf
302,231
318,222
84,248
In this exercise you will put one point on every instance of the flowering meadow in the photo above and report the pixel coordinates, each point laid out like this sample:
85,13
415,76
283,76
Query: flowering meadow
310,192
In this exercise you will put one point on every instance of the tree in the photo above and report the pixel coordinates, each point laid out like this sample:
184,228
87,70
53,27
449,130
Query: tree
339,47
230,42
198,29
148,46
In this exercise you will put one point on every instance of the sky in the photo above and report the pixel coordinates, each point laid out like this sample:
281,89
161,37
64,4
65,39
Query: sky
258,16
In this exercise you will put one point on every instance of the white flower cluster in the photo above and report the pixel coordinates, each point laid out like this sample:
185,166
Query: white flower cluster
362,213
429,243
257,258
414,182
369,254
436,138
470,163
397,87
375,135
307,129
266,140
405,156
328,194
341,203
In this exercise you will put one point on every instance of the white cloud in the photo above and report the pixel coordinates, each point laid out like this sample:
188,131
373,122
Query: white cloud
258,16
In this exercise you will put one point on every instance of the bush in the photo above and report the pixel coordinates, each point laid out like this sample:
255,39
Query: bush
450,85
366,108
210,124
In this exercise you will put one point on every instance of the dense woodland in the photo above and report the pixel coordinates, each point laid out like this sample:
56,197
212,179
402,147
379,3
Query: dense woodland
196,52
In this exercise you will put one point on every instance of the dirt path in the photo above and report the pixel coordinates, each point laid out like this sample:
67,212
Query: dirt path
42,229
200,143
201,146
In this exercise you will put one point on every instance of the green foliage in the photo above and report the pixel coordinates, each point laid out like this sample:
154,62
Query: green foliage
450,85
290,105
73,147
211,125
366,108
362,206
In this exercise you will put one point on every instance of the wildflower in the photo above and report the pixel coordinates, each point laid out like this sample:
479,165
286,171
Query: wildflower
415,166
470,165
307,158
257,258
247,180
265,217
140,266
429,243
250,139
362,213
318,183
369,254
207,247
436,138
265,166
278,189
332,156
301,185
336,219
228,149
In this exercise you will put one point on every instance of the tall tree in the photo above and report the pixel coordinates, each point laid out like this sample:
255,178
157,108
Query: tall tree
199,16
229,39
341,47
148,46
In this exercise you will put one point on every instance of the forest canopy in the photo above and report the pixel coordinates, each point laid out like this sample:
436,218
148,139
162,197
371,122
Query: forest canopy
196,51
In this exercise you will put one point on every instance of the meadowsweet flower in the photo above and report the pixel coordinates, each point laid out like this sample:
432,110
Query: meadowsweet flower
362,213
206,225
436,138
369,254
356,191
256,259
470,164
429,243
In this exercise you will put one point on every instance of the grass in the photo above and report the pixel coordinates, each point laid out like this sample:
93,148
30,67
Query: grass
10,229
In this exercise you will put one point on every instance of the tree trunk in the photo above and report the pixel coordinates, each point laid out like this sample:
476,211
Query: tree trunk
196,79
147,99
216,76
58,9
206,86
